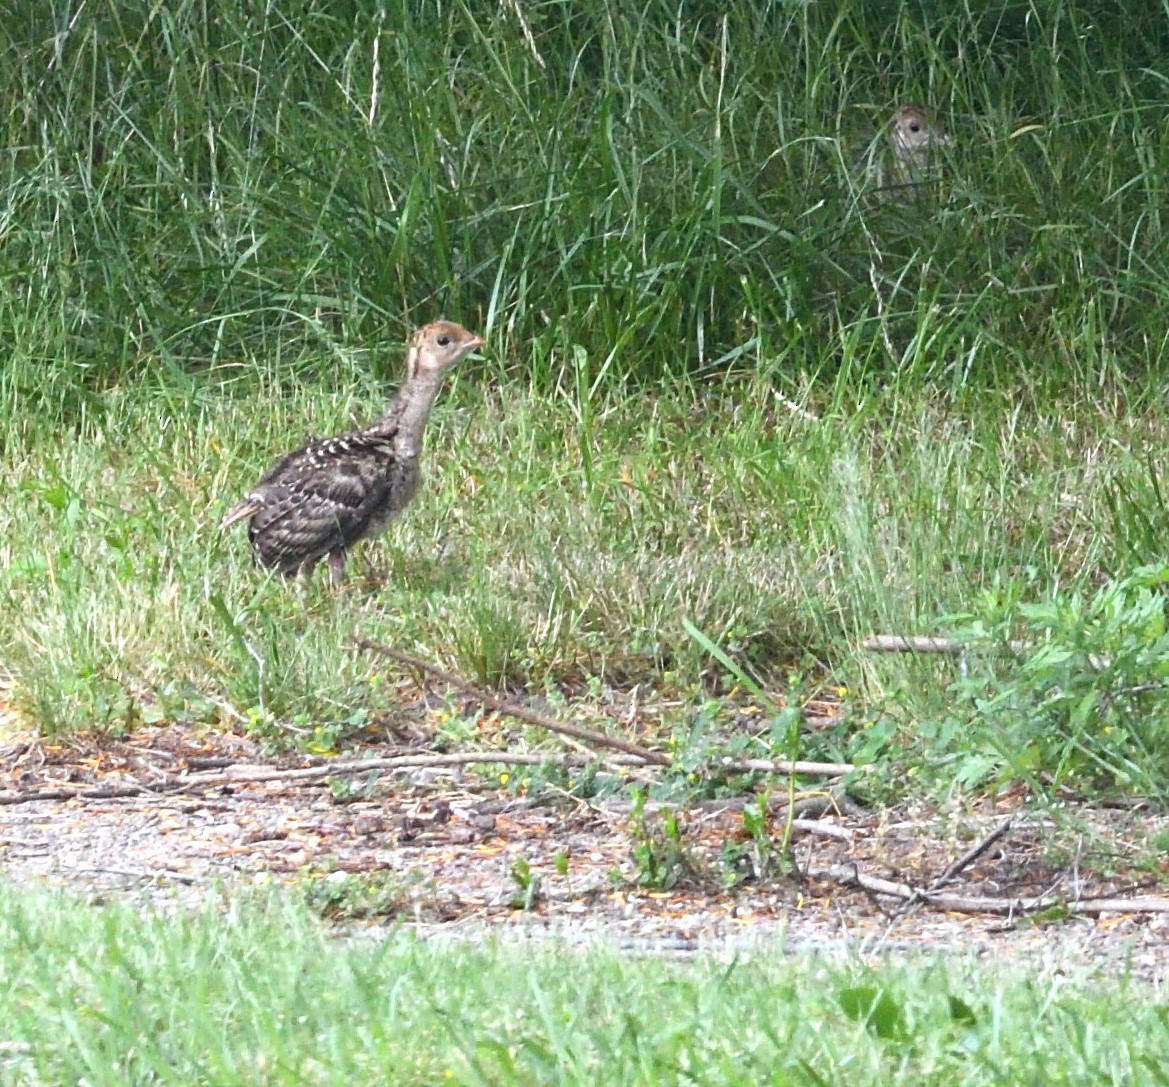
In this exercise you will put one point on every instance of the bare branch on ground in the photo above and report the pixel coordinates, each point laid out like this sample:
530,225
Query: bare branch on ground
851,876
590,736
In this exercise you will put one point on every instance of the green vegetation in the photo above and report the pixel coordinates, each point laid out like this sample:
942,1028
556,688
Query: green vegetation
623,190
725,385
1086,697
257,994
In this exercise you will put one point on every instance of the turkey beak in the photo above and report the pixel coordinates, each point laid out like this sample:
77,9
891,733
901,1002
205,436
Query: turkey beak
475,343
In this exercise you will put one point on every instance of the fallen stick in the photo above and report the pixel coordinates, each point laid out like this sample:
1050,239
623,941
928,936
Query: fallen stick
963,862
80,792
146,873
599,739
783,766
245,774
913,643
824,830
972,854
851,876
514,709
806,805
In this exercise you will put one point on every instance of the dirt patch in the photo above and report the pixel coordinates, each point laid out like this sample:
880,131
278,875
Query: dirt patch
455,854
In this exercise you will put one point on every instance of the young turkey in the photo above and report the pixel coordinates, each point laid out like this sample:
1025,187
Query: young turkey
915,138
910,156
322,499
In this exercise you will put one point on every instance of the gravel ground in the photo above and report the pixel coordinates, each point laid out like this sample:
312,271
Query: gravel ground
442,853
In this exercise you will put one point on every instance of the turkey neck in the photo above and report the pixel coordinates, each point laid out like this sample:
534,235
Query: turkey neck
405,418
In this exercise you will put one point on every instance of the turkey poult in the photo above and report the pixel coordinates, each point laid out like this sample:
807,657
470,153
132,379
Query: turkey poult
325,497
910,156
915,138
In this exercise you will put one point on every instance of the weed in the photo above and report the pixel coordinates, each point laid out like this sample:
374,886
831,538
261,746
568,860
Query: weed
528,886
755,857
1075,687
350,896
661,859
755,824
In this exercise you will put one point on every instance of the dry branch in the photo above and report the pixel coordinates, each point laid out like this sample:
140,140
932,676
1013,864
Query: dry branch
811,805
590,736
919,644
824,830
783,766
851,876
79,792
913,643
247,774
960,865
972,854
145,873
514,709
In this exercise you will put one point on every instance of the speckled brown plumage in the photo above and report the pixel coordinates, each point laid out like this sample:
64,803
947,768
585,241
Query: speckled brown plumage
321,499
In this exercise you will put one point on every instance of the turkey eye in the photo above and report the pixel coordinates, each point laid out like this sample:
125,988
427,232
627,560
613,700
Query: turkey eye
444,341
915,127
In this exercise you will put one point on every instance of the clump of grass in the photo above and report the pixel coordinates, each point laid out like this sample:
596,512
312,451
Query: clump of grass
353,896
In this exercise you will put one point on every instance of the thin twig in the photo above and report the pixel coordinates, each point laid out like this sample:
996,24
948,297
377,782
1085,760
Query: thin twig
900,643
851,876
972,854
251,774
144,873
81,792
964,861
912,643
783,766
824,830
807,805
247,774
599,739
514,709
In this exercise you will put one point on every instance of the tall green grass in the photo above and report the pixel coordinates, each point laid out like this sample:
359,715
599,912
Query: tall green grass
217,185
